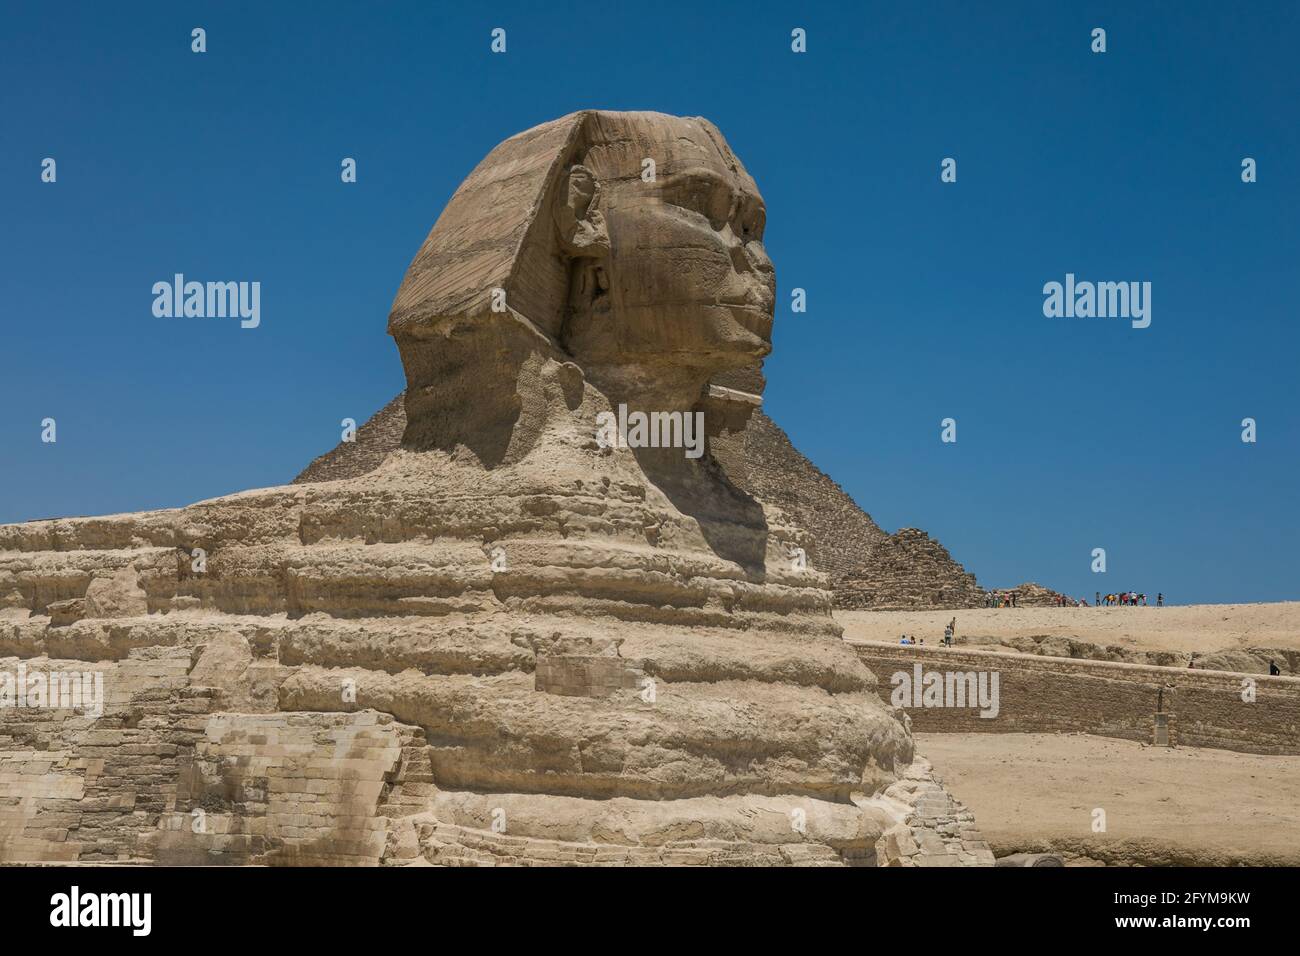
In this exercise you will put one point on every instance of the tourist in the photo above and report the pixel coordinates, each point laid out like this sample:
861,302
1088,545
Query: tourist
1160,599
1098,599
1274,670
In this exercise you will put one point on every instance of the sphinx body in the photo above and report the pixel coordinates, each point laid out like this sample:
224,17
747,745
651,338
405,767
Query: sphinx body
509,641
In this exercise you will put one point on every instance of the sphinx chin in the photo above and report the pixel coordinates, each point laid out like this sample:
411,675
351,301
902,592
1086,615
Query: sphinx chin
509,640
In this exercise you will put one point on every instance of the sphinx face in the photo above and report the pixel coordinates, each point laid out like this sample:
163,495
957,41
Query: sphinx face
686,283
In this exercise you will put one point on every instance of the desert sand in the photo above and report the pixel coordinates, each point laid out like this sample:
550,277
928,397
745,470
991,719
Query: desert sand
1164,806
1199,628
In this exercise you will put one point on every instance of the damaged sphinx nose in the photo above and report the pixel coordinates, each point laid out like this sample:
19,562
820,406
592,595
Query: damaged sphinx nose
499,639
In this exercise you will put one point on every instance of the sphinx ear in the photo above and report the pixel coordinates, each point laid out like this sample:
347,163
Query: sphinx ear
582,227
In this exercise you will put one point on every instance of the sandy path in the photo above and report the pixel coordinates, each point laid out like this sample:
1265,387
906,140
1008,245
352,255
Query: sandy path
1202,628
1164,806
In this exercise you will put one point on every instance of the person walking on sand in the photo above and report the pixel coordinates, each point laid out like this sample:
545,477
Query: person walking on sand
1160,599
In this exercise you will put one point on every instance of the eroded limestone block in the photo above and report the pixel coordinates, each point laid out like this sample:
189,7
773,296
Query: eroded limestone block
117,596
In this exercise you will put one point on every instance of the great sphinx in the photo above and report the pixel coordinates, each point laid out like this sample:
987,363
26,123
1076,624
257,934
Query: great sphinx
509,641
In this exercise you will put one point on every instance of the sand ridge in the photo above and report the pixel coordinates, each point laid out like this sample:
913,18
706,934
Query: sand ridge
1198,628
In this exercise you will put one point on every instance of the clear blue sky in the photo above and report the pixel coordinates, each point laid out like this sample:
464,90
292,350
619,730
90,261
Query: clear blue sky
924,299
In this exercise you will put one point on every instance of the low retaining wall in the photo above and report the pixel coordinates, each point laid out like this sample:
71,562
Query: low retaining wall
1064,695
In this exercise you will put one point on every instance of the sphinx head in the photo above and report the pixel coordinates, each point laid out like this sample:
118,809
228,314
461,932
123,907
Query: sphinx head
625,246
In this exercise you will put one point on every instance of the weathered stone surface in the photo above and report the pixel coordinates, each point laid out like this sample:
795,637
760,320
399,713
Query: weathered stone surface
1031,594
1030,859
931,828
868,568
508,641
116,596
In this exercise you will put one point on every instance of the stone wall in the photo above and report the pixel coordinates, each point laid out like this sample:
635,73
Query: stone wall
1057,695
934,828
162,776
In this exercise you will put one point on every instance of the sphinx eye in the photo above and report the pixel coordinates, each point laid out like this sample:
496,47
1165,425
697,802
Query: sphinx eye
717,205
707,195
